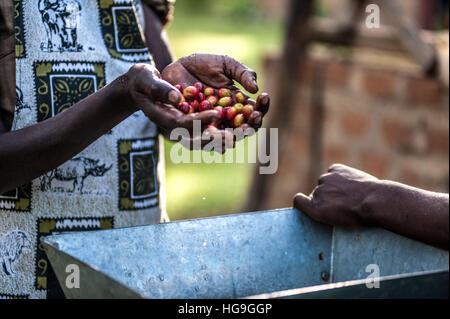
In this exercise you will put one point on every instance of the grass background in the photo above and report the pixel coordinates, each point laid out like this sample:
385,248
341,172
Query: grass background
240,29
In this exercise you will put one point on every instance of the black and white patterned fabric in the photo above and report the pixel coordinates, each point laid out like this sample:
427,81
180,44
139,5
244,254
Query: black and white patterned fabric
65,51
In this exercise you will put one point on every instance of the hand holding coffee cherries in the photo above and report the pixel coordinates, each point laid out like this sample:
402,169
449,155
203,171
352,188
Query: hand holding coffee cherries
159,100
214,76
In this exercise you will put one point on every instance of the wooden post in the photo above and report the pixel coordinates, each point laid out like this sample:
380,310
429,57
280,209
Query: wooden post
296,39
316,129
409,36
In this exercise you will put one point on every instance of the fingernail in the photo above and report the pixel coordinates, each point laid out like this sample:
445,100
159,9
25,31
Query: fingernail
258,120
265,99
174,97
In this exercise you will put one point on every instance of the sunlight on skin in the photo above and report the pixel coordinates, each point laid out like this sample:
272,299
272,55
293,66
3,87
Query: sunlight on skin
244,48
224,44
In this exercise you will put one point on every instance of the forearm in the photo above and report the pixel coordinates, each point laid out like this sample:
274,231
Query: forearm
156,39
409,211
30,152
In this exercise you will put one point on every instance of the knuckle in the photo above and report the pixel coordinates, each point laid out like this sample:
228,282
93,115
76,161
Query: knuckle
323,178
228,58
334,167
154,87
136,68
143,69
298,200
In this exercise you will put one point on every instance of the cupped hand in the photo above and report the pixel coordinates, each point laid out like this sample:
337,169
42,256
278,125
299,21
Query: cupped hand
219,71
158,99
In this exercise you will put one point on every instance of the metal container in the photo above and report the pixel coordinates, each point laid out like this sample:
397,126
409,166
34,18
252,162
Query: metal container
265,254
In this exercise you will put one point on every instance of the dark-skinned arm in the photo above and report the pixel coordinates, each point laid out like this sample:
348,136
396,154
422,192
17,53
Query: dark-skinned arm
30,152
349,197
156,39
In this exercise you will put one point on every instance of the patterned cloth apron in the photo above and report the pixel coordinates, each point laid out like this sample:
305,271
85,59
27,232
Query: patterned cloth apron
65,51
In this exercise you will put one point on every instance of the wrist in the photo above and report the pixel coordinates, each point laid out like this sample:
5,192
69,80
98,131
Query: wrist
120,96
372,200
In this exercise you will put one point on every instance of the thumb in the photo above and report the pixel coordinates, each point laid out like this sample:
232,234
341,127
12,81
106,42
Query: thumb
162,91
303,203
157,89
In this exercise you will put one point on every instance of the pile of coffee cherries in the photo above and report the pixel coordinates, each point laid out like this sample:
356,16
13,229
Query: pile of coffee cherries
233,110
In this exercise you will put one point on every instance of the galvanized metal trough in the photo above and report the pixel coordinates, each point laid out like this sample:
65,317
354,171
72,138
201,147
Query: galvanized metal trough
270,254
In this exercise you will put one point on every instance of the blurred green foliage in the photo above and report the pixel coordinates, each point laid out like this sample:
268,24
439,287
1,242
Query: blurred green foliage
241,30
235,8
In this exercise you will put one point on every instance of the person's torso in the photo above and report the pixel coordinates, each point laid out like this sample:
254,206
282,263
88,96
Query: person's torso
65,51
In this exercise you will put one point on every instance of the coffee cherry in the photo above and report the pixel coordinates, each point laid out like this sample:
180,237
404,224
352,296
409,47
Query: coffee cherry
195,104
225,101
239,107
230,113
199,86
232,108
191,92
209,91
240,97
185,107
247,110
205,106
238,120
224,93
212,99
